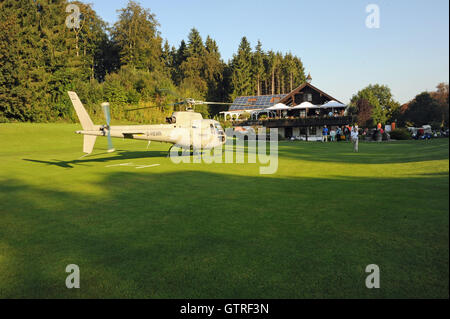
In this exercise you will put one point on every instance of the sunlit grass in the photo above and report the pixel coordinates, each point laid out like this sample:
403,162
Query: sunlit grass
220,230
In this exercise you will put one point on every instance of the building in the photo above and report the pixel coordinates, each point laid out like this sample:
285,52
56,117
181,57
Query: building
301,113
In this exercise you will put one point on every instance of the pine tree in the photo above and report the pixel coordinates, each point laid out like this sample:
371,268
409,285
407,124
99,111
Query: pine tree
213,73
242,73
193,82
298,72
195,46
272,63
168,59
180,57
258,66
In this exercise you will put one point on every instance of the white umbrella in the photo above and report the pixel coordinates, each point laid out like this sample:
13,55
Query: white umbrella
305,105
279,106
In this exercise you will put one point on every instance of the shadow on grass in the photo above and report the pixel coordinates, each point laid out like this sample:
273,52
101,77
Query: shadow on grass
340,152
116,156
206,235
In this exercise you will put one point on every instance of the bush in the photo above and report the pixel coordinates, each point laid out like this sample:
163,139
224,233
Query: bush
4,119
400,134
244,116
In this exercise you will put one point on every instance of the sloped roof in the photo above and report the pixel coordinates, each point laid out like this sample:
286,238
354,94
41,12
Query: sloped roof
301,87
255,102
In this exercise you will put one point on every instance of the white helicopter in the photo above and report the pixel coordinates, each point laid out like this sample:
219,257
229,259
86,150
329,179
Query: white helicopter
185,129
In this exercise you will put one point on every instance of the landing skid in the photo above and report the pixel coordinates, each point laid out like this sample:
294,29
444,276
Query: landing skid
191,153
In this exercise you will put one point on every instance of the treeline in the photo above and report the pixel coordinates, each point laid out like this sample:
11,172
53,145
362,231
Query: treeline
41,58
375,104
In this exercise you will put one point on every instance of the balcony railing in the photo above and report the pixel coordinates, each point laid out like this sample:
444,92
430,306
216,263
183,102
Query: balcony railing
299,122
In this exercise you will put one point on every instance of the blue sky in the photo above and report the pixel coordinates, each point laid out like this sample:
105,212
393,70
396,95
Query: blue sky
409,52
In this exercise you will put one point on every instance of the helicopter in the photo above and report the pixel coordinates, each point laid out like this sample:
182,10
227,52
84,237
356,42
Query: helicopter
185,129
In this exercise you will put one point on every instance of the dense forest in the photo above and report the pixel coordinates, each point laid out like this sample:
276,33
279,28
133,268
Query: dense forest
41,58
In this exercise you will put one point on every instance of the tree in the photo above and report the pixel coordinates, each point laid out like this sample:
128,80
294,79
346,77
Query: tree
381,100
289,68
92,35
242,73
168,57
43,52
299,72
195,46
136,33
41,58
441,96
258,66
272,62
423,110
213,74
193,83
181,56
364,111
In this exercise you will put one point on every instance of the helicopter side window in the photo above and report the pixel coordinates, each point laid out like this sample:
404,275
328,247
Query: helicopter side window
171,120
219,129
212,129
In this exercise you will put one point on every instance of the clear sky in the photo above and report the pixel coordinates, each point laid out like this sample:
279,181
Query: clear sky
409,52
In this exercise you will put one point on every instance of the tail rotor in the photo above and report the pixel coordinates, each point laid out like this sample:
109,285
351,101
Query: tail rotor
106,110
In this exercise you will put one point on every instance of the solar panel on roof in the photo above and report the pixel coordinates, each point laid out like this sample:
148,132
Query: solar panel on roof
265,100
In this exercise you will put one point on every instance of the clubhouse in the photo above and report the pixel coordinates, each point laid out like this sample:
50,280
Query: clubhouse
300,114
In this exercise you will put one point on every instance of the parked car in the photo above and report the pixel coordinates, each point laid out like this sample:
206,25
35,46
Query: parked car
421,133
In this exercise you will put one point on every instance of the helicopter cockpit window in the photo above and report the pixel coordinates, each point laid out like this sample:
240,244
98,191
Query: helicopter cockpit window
171,120
219,129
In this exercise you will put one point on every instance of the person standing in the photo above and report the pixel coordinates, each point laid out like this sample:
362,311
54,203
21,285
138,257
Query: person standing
347,133
332,134
355,138
325,134
338,134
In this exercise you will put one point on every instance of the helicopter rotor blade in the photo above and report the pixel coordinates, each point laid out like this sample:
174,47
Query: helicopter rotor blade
150,107
235,104
194,103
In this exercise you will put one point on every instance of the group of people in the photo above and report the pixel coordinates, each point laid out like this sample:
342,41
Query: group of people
345,133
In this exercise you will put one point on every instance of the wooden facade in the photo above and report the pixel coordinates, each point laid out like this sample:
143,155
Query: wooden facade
307,93
304,123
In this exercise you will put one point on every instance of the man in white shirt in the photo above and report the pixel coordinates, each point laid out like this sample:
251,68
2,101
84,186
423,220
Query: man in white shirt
354,137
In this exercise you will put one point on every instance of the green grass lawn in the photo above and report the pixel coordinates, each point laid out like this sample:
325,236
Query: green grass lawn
221,230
